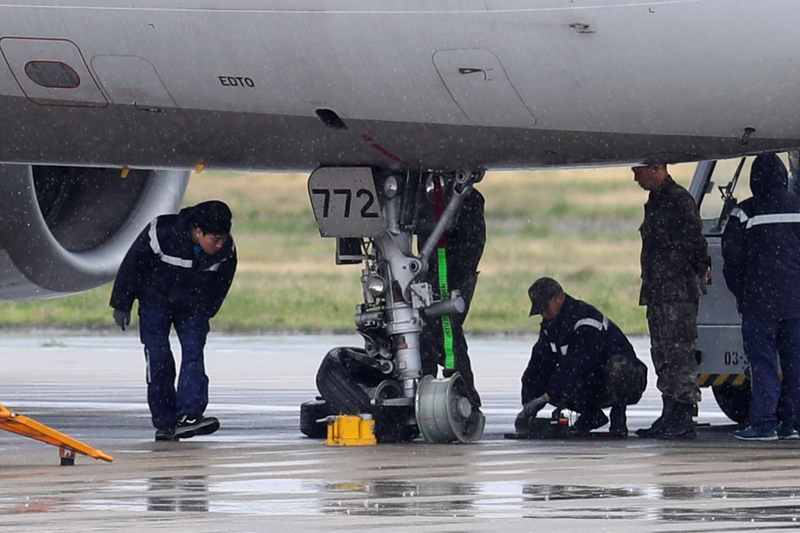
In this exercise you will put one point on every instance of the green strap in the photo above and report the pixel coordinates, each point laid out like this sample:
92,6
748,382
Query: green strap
447,327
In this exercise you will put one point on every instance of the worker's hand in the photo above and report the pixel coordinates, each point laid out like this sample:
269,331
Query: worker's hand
529,411
709,274
122,318
532,408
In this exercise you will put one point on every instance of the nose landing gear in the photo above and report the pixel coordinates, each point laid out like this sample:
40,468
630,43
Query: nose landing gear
374,216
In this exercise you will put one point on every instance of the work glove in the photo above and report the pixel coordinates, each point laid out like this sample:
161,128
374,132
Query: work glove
533,407
529,410
122,318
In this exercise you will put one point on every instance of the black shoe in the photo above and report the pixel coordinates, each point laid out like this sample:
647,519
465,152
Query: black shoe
681,433
592,418
192,426
619,421
653,431
679,425
165,435
657,428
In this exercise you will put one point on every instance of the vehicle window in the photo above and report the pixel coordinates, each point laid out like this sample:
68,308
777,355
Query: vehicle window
712,203
721,177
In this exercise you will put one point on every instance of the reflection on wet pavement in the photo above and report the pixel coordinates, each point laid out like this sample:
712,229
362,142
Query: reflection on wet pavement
609,482
183,494
273,488
258,473
530,501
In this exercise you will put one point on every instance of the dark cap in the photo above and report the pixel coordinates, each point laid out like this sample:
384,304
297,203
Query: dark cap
647,163
541,292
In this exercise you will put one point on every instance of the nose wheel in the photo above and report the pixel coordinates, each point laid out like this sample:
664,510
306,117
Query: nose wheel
445,413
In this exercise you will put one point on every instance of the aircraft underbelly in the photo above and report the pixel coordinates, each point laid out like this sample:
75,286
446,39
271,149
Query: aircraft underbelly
500,84
245,141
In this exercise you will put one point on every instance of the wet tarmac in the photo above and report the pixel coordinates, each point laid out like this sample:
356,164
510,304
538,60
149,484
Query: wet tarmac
258,473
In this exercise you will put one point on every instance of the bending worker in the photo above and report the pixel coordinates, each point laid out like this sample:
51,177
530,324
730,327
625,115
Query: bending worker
180,269
582,362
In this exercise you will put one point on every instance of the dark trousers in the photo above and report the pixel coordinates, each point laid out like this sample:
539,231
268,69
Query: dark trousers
673,330
772,347
432,354
622,383
432,351
168,404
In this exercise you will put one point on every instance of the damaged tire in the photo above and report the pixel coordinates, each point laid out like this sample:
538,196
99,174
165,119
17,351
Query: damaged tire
345,382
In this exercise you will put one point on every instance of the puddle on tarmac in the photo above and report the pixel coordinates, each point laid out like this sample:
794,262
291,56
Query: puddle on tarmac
487,500
496,499
500,499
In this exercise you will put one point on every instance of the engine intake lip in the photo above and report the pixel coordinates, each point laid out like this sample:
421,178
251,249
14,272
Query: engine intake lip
36,251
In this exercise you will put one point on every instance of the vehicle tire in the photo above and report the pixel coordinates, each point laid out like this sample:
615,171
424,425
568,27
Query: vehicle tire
734,401
310,412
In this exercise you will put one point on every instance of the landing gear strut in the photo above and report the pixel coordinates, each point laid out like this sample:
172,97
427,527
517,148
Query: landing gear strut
374,216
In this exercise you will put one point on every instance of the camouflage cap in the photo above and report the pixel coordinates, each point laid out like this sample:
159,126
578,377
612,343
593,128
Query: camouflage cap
541,292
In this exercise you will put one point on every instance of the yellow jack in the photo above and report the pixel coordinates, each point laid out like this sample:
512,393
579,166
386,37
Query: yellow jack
351,430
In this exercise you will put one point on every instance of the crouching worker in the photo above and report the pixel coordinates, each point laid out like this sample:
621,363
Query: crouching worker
581,362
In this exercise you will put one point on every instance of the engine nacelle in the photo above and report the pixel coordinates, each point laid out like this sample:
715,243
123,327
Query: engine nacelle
66,229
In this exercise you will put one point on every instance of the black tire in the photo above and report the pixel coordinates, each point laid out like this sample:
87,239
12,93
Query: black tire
343,382
734,401
310,412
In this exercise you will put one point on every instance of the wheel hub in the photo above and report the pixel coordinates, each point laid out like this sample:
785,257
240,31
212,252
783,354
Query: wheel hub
445,413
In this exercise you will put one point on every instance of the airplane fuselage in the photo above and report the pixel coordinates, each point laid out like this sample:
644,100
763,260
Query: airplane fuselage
497,84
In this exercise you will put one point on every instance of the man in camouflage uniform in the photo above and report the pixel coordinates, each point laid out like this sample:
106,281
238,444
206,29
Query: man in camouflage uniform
675,270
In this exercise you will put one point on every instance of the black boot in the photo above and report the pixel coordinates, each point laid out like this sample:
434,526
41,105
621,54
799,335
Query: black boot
679,425
592,417
658,426
619,421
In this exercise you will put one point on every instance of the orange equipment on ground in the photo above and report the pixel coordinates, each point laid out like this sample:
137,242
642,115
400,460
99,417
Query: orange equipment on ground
27,427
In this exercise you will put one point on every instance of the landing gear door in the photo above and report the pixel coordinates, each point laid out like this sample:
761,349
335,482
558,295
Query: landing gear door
345,202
